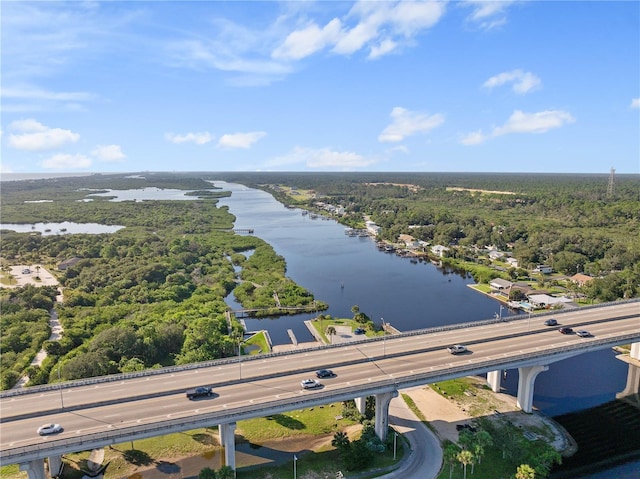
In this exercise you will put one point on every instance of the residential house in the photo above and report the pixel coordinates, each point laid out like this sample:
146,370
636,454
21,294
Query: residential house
68,263
581,279
501,286
439,250
543,268
512,262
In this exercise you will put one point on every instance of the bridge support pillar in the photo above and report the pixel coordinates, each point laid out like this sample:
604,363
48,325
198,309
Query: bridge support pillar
55,465
526,380
228,441
493,380
632,388
35,468
382,413
635,351
361,404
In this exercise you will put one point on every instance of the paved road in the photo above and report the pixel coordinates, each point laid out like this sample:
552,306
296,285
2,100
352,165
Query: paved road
425,457
270,380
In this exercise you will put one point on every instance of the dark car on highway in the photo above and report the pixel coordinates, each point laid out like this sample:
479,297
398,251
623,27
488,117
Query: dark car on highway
325,373
551,322
199,392
566,330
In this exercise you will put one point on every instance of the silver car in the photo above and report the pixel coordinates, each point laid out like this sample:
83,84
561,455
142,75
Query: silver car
310,383
47,429
457,349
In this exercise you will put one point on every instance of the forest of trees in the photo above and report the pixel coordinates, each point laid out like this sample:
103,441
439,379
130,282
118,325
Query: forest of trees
569,222
152,294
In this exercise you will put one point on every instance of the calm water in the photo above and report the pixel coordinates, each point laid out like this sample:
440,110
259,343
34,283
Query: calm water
320,257
66,227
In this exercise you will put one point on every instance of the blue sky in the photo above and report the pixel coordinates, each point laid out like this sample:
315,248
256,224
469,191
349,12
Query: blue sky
460,86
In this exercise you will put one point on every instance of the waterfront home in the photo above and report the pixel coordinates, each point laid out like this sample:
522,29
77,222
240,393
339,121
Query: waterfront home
501,286
547,301
581,279
439,250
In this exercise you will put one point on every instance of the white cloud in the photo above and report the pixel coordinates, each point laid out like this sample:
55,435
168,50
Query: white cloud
635,103
379,26
520,122
66,162
39,94
488,14
406,123
302,43
201,138
35,136
30,99
385,46
109,153
522,82
240,140
540,122
28,125
323,159
474,138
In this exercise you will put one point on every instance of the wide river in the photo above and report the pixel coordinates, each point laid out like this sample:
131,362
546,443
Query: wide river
344,271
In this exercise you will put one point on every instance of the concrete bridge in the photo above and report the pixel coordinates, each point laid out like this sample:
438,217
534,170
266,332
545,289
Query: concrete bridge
102,411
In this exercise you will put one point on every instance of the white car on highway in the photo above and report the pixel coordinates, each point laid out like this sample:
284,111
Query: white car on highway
310,383
47,429
457,349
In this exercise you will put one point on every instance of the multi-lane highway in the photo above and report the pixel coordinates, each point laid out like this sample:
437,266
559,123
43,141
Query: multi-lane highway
264,385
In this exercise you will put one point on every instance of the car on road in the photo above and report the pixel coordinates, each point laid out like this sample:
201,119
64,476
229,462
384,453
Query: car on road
566,330
325,373
551,322
47,429
358,331
310,383
583,334
457,349
198,392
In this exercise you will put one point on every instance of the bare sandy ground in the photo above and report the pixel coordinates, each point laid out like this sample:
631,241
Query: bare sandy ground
35,270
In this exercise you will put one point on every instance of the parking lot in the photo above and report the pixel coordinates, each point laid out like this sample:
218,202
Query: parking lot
26,274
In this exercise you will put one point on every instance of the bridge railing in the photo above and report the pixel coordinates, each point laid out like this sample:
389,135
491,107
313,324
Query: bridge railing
236,359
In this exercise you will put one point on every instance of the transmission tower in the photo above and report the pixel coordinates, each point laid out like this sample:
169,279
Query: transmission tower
610,186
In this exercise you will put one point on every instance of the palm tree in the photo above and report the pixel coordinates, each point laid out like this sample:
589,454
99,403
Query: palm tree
355,309
330,332
525,471
340,441
466,458
225,472
483,441
450,453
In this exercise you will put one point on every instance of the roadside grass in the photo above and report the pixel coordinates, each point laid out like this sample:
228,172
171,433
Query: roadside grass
257,344
314,421
7,279
321,326
323,464
477,399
